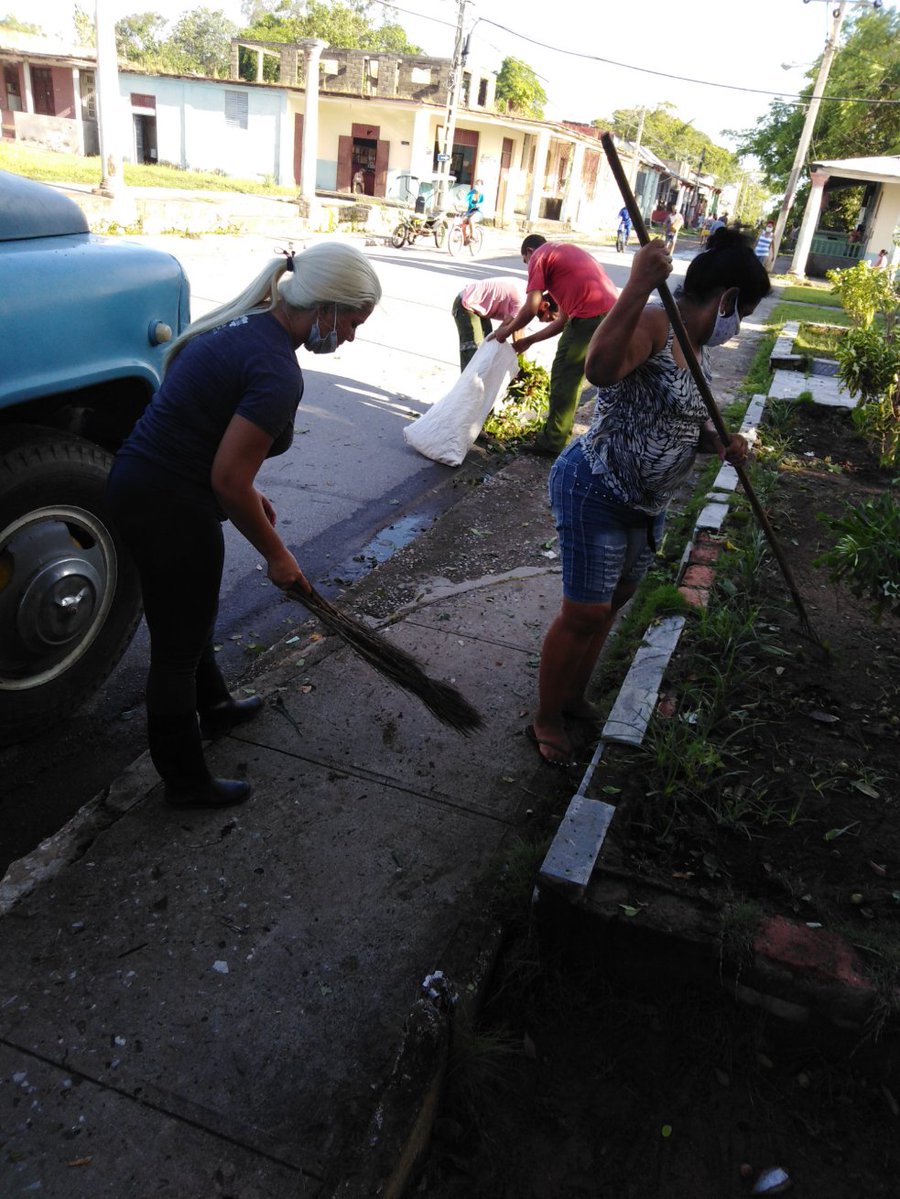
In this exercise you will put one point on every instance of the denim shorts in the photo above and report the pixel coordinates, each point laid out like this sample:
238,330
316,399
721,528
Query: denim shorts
602,542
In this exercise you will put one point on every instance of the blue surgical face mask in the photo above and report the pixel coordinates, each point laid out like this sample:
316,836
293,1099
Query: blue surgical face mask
317,344
725,327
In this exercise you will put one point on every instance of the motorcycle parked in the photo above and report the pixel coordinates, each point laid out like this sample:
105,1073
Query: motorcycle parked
414,225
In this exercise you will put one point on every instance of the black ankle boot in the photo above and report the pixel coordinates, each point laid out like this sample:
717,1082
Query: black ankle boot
177,754
214,793
221,718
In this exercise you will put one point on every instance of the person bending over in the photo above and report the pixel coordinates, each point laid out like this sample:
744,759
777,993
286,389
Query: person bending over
227,402
584,294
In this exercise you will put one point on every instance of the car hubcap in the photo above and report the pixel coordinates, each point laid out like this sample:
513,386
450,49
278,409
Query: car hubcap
57,580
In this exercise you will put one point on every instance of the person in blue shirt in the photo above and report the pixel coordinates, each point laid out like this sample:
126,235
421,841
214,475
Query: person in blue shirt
474,200
227,402
625,222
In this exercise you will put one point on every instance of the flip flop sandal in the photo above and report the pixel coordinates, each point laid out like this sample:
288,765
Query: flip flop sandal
537,742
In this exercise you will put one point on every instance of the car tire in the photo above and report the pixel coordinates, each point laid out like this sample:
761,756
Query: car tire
69,593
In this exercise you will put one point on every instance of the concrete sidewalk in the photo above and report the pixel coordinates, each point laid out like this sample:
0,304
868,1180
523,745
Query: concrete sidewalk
232,1003
211,1003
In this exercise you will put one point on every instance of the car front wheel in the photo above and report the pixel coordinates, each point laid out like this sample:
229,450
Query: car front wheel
69,594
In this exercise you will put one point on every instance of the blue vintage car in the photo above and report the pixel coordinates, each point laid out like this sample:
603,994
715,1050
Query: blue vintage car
83,325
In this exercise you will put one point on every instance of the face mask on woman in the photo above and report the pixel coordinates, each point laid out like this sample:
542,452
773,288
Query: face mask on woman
725,327
317,344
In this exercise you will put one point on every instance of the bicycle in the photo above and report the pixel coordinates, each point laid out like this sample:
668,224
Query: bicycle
464,235
622,234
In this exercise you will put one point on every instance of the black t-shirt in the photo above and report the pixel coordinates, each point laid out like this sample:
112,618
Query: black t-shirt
246,368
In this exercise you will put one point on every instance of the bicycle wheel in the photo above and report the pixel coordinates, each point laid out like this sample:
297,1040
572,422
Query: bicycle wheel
398,237
476,240
440,234
620,242
455,241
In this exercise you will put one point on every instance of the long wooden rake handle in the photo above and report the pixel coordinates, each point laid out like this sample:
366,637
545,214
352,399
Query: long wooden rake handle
703,387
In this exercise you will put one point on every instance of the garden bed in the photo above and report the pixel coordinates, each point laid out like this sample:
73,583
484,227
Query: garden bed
611,1061
769,780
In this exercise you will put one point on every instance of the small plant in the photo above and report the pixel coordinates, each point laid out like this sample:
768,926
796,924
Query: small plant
523,410
869,363
863,292
866,556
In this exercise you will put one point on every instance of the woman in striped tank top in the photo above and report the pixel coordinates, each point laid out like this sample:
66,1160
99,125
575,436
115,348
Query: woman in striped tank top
609,489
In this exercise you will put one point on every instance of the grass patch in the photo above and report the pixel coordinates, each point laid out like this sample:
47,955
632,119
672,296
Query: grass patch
811,295
817,340
784,312
759,374
49,166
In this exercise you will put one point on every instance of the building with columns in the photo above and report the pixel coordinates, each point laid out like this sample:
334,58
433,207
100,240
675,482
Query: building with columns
819,249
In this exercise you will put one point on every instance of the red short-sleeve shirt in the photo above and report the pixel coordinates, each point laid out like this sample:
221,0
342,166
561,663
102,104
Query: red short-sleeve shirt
578,283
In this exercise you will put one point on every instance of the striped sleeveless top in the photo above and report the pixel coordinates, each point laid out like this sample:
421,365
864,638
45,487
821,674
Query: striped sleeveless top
643,436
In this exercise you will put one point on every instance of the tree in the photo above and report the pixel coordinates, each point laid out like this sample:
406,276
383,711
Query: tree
139,37
518,89
669,137
201,41
13,23
85,28
866,66
346,26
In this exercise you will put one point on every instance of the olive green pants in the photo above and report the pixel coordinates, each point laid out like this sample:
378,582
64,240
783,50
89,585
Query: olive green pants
472,329
566,382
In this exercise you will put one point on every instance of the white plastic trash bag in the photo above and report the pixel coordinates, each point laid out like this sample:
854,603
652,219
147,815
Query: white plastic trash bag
448,429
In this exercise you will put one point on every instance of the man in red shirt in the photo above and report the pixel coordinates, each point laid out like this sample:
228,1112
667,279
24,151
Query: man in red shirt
584,293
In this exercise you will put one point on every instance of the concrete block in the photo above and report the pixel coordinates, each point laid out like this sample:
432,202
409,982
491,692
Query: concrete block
713,516
726,479
574,850
637,697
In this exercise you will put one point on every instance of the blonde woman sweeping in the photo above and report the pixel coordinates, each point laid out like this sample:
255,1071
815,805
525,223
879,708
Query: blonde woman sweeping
227,402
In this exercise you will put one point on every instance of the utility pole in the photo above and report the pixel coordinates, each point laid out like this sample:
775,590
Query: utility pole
446,152
636,153
112,182
837,18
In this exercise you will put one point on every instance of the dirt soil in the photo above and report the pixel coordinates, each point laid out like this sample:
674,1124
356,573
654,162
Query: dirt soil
606,1065
811,822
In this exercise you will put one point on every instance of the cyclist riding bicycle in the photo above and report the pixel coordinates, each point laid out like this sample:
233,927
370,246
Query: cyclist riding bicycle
474,200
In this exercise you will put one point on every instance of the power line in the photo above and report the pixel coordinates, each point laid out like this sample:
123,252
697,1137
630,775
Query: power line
787,97
409,12
792,98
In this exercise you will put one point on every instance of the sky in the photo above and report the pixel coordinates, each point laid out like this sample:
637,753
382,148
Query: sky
741,44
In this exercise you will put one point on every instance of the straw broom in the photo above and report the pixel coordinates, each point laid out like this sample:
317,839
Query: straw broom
442,700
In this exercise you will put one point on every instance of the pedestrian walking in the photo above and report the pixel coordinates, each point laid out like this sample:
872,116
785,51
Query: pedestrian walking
609,488
763,247
487,300
672,227
227,402
584,294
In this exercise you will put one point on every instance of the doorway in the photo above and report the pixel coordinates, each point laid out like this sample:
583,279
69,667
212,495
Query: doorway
363,157
145,149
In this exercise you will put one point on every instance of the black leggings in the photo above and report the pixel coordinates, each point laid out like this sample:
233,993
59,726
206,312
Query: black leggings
173,531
